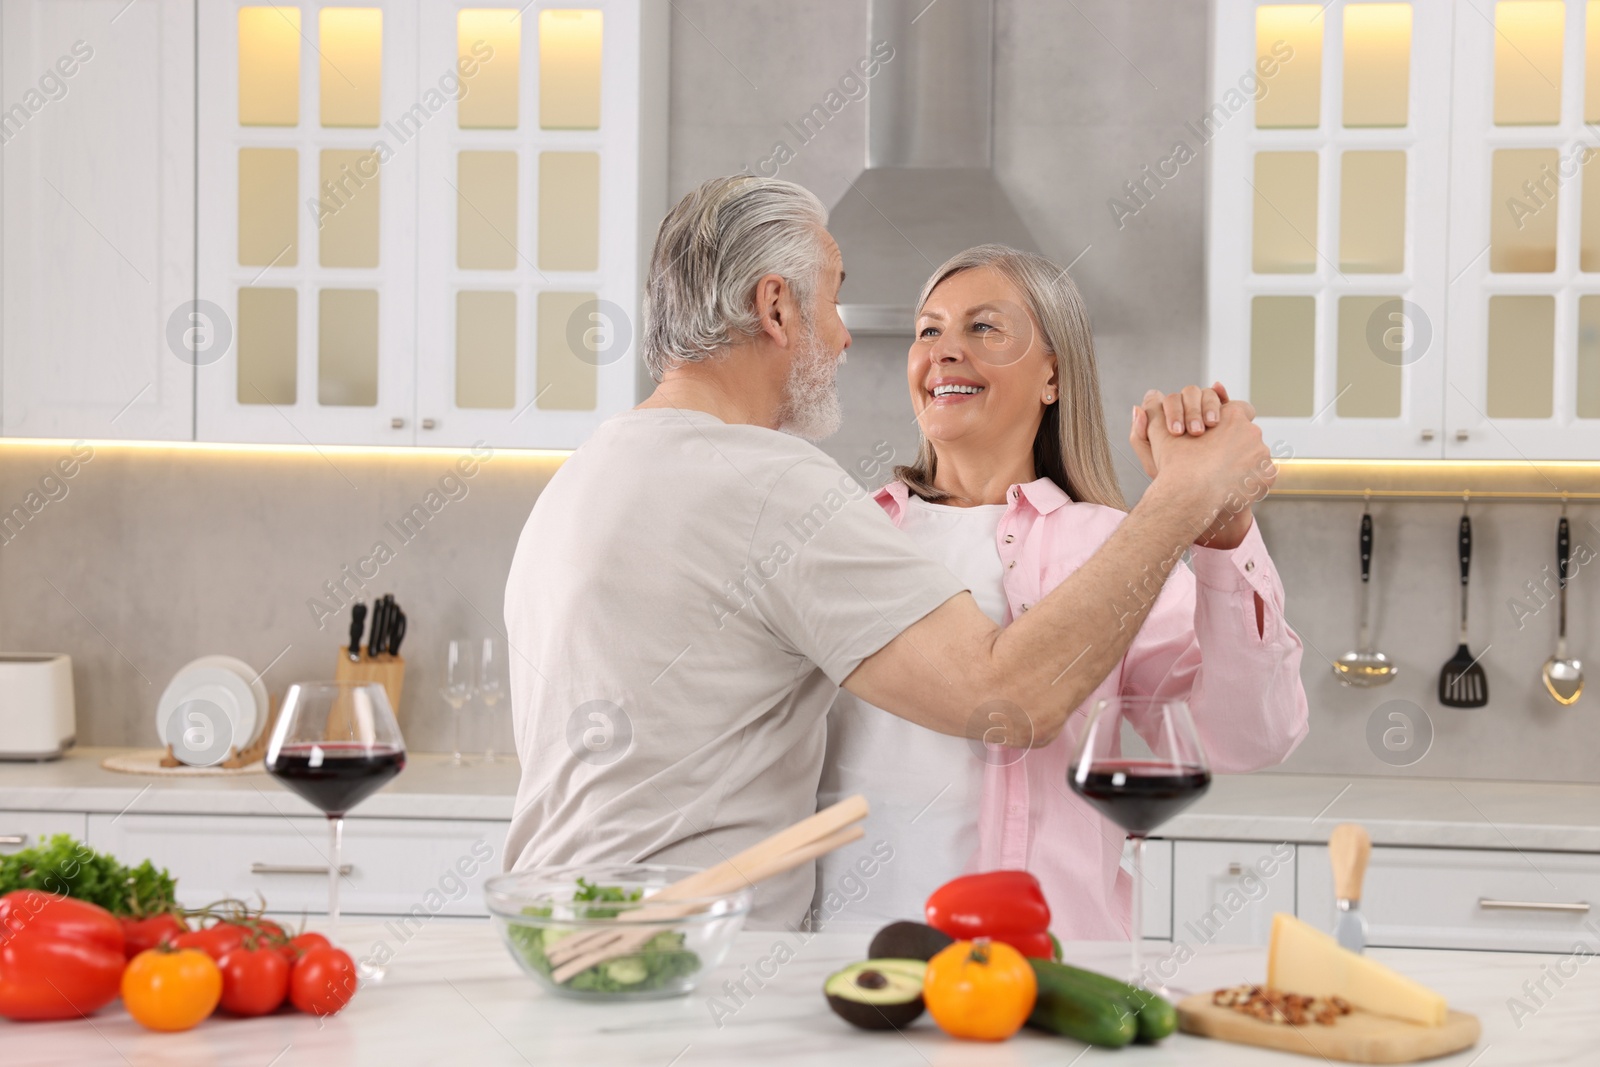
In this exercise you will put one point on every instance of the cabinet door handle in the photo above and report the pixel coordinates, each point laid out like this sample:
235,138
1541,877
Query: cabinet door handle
1531,905
397,423
296,868
17,840
1235,869
428,424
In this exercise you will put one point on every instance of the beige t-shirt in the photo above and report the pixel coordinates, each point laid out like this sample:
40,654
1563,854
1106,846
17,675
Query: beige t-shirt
685,599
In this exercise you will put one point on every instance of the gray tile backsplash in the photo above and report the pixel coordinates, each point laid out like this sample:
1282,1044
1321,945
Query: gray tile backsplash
154,557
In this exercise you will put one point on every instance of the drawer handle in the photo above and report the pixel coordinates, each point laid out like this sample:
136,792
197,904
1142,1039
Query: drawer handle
295,868
1531,905
17,840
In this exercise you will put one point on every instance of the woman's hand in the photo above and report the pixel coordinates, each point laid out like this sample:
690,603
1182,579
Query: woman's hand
1190,411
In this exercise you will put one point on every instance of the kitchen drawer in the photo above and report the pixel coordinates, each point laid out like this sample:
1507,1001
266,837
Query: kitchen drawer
1433,897
1157,887
397,866
25,829
1224,892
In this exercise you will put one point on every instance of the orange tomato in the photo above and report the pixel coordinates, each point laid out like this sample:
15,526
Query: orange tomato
171,990
981,990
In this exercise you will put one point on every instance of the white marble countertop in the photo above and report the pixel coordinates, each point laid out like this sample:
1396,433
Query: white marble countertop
431,787
1256,807
453,996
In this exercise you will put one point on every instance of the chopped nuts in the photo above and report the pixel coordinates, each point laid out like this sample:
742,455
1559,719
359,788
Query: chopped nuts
1272,1006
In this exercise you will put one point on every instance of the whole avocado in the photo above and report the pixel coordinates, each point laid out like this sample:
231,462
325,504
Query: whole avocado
908,941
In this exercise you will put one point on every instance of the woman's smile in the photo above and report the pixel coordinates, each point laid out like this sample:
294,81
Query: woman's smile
945,391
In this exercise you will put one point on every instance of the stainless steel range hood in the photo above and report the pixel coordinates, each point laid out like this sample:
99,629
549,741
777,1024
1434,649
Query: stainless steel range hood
928,191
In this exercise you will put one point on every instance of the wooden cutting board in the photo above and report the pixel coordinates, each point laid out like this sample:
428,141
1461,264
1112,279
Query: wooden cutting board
1359,1037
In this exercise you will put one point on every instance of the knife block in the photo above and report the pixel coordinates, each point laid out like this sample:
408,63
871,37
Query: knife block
388,671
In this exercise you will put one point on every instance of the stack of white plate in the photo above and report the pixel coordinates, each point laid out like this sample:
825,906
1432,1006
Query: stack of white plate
229,683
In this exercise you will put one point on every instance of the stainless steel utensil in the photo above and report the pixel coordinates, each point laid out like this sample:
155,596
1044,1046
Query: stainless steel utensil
1462,683
1349,848
1364,667
1563,677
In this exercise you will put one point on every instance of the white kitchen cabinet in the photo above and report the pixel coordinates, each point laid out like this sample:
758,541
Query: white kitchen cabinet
28,829
96,218
1403,241
425,219
1225,892
1463,898
397,866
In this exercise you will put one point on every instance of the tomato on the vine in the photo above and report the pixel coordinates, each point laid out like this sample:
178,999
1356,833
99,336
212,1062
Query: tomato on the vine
141,934
255,979
220,938
323,981
300,944
171,989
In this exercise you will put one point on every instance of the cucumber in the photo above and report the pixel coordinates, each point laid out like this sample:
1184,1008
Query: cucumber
1070,1006
1157,1018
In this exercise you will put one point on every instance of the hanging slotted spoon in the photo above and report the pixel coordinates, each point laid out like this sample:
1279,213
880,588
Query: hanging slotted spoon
1462,683
1563,677
1365,668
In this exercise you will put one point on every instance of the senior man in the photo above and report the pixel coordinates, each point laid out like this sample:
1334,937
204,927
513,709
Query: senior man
696,581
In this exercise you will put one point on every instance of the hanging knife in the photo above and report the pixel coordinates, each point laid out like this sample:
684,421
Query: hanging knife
358,618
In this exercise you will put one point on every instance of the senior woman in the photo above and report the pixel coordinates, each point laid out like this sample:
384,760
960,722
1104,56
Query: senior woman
1013,489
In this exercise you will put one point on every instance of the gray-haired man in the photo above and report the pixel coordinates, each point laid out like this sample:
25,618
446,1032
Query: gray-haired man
694,585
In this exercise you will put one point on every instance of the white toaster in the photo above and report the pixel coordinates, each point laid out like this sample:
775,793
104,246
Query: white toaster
38,719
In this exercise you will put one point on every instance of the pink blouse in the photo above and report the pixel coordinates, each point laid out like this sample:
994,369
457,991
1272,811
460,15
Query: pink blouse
1246,697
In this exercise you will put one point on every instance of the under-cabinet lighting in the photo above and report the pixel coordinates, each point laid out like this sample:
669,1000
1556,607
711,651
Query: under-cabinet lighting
223,449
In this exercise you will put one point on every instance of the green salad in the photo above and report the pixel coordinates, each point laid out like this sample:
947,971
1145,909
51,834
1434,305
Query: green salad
659,962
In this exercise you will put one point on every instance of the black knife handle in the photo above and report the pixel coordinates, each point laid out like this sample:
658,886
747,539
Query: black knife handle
397,632
1465,539
1563,549
1366,547
358,619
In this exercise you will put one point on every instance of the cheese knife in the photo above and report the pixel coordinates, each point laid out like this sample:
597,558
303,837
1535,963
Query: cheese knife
1349,848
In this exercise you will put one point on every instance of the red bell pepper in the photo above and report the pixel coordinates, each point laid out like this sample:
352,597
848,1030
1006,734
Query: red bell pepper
146,933
59,958
1004,906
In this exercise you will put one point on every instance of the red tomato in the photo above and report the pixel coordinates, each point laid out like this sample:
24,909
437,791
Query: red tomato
254,980
300,944
140,934
218,939
59,958
323,981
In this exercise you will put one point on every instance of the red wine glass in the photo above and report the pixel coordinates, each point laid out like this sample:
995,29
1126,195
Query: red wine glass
1139,762
335,744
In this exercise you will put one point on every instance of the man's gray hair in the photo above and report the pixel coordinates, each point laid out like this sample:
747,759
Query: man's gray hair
711,250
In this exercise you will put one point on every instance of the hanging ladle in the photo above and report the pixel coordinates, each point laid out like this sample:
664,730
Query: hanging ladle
1364,667
1563,677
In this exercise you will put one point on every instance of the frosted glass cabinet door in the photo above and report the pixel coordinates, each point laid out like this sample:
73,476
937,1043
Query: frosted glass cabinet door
306,201
97,184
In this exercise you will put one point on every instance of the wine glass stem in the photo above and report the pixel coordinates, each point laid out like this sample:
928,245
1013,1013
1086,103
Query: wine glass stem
1136,919
335,862
455,715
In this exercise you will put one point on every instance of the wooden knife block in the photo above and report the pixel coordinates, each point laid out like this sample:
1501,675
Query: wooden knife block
387,671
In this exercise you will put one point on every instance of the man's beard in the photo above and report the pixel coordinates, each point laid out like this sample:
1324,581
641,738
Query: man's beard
811,395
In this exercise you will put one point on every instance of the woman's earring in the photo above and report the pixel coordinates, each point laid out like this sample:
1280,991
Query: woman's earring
1049,398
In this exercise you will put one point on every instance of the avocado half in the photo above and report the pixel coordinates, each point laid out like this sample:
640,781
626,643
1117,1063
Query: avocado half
908,941
883,994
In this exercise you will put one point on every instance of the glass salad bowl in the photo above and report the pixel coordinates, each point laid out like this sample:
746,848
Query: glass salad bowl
630,949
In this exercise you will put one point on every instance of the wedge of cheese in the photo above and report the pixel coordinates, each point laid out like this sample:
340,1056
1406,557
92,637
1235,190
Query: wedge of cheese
1304,960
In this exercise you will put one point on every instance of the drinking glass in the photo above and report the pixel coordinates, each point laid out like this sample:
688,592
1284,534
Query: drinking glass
1139,761
335,744
458,684
491,687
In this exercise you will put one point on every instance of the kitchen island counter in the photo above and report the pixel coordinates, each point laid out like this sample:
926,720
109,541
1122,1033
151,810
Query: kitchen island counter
454,996
1300,808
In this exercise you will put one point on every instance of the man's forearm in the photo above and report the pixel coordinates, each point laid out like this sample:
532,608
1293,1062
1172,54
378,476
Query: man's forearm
1050,659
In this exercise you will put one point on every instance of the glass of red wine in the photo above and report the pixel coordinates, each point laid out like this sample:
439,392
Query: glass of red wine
1139,762
335,744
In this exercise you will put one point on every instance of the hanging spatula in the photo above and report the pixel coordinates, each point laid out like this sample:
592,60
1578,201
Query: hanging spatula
1462,683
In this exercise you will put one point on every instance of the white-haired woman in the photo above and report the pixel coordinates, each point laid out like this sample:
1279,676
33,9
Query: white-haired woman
1013,489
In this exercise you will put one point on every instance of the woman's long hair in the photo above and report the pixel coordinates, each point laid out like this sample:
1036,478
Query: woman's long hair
1071,447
